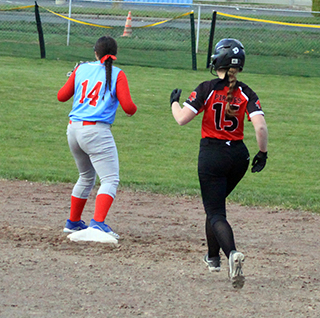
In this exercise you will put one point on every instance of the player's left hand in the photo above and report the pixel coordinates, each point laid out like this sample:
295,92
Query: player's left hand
175,96
259,161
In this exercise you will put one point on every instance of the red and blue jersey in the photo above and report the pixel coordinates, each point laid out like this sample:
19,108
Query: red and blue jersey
91,101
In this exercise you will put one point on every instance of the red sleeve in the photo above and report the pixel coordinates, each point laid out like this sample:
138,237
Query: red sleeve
67,90
123,94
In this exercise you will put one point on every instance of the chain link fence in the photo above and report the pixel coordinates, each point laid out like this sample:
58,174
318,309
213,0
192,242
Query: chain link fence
162,33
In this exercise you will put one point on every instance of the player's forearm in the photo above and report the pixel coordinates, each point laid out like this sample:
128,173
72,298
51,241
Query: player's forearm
176,112
182,115
67,91
261,131
262,138
123,94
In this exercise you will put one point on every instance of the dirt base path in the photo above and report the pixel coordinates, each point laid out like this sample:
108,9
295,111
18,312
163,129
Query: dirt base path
156,270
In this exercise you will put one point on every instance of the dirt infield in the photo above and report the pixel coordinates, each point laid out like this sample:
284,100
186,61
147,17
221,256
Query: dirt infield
156,270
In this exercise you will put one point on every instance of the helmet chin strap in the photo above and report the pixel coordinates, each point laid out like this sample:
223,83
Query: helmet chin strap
211,71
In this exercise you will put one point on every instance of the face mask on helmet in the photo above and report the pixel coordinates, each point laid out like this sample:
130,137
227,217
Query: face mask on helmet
228,53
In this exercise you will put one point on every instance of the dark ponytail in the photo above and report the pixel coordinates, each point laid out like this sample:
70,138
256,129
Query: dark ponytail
232,75
108,66
106,45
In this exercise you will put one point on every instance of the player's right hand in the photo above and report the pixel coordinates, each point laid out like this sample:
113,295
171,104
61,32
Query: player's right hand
175,96
70,72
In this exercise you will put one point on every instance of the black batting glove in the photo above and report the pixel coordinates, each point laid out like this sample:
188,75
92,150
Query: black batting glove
175,96
259,161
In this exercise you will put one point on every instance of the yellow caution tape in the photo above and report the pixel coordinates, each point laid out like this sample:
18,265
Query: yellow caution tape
157,23
18,8
270,21
180,16
77,21
110,27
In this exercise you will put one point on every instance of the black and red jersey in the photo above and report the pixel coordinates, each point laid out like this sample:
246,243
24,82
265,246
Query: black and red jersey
210,97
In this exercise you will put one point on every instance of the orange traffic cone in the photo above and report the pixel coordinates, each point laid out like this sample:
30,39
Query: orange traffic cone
127,29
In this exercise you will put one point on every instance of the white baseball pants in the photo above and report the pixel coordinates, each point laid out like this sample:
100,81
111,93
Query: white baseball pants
95,152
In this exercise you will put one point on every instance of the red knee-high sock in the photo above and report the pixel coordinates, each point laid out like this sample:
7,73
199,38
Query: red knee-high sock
76,209
103,204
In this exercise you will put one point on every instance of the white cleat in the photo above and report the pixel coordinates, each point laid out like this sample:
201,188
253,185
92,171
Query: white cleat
236,260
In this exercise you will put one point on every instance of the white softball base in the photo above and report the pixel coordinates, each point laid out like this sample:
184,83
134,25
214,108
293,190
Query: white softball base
92,235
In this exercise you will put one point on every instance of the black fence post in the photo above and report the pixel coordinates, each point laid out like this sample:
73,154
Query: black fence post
193,43
213,26
40,32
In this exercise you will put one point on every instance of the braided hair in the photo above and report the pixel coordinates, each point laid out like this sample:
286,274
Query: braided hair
232,72
106,45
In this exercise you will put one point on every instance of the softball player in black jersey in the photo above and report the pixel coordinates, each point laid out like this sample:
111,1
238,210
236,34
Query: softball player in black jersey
223,157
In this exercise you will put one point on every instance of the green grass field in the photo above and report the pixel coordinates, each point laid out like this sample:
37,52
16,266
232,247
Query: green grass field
155,153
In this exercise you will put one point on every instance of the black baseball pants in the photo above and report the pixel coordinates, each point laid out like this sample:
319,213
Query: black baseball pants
221,165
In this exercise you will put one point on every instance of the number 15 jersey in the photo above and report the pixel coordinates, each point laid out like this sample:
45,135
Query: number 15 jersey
210,97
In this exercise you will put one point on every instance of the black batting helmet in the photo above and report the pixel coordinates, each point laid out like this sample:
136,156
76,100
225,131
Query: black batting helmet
228,53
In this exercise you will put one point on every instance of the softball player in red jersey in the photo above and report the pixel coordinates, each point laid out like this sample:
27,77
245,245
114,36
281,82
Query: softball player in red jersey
223,157
97,89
